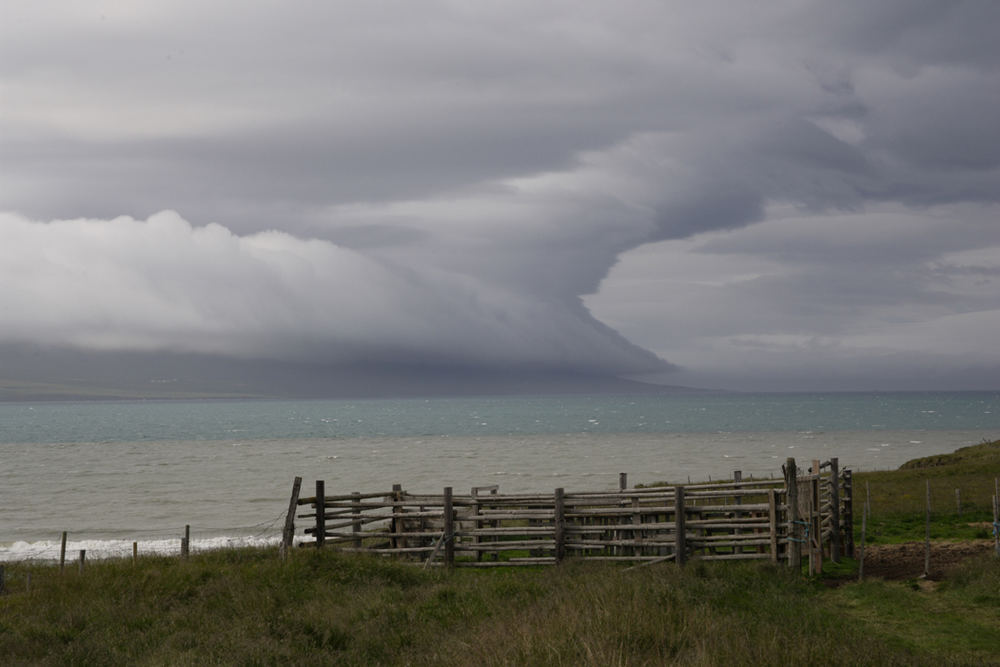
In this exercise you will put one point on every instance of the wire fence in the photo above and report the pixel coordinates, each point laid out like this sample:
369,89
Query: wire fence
163,541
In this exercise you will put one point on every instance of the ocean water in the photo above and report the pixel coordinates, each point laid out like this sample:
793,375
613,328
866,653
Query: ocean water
110,473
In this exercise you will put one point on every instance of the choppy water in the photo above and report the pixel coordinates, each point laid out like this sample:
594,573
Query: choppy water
110,473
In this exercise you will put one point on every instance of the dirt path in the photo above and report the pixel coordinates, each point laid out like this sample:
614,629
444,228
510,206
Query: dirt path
906,561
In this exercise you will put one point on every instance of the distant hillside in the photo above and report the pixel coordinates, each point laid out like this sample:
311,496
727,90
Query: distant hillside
37,373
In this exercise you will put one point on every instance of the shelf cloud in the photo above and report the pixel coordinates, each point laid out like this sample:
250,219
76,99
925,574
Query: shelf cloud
648,188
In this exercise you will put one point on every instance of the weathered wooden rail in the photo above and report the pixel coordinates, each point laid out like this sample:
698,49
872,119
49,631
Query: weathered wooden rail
777,520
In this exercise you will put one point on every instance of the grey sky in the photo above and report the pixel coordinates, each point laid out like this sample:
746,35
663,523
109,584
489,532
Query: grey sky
801,196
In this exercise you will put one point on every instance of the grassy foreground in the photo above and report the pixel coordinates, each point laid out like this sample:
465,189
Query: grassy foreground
248,607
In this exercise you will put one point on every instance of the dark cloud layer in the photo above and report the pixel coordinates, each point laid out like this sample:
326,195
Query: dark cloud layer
813,187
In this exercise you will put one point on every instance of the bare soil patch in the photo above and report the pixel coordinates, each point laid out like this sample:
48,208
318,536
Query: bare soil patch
906,560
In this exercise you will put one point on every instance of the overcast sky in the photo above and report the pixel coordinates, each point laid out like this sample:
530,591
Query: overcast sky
781,195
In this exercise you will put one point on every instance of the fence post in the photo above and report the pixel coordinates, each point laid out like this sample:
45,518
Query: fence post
62,553
288,534
927,533
738,499
559,524
622,481
996,518
637,535
449,528
356,518
680,537
83,559
186,542
792,487
836,538
849,512
816,521
320,513
864,530
397,521
772,515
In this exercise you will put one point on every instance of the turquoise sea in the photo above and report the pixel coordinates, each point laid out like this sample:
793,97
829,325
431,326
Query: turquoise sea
113,472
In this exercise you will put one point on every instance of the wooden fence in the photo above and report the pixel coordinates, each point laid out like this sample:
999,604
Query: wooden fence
735,520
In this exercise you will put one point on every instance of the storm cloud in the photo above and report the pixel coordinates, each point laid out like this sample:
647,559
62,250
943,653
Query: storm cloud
801,197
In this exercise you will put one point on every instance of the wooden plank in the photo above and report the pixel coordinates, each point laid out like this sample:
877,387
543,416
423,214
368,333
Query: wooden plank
629,559
512,545
572,513
507,530
332,500
722,543
727,523
725,493
589,529
389,550
520,562
731,508
728,486
368,535
743,556
364,520
601,544
515,516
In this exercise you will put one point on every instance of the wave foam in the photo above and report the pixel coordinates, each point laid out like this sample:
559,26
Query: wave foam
48,550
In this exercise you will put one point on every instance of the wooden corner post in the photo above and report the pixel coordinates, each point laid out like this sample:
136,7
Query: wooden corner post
288,534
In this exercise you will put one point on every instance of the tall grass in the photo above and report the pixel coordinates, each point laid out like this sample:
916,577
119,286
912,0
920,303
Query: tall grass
247,607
